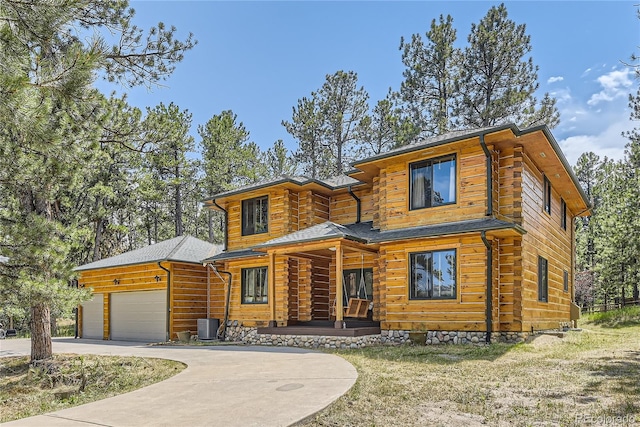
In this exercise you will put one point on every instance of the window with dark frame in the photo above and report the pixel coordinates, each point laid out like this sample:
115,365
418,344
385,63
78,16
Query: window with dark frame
255,216
547,196
254,285
433,275
563,214
565,281
432,182
543,279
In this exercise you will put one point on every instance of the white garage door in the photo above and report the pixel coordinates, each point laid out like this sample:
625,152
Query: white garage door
139,316
92,317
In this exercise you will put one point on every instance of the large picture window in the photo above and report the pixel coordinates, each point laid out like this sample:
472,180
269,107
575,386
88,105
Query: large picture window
255,216
433,182
254,285
433,275
543,279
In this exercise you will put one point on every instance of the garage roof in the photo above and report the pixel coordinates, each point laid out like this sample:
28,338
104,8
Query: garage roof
179,249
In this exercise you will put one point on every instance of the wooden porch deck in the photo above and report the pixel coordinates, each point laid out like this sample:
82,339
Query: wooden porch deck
355,328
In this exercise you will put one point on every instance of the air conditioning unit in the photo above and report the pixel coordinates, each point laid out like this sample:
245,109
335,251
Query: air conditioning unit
208,329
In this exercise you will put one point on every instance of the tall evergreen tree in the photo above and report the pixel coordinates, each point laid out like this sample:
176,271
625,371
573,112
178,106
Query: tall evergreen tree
498,79
428,90
306,126
279,162
51,119
222,140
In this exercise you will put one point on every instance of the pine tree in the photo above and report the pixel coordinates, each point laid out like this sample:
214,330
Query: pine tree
51,119
428,90
498,79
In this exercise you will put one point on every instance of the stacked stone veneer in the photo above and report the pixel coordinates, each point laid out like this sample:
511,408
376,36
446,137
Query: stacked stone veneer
236,332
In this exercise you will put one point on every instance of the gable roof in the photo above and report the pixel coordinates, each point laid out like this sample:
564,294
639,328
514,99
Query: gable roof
179,249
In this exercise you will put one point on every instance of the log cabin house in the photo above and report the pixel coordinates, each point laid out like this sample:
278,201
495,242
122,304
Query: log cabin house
148,294
466,237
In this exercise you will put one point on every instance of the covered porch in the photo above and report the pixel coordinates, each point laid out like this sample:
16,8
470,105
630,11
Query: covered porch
327,286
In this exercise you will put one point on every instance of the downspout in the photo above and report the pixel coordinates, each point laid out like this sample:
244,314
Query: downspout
489,313
226,224
487,153
168,325
223,326
357,205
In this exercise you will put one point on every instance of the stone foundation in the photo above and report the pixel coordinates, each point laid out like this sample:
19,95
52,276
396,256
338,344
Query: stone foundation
236,332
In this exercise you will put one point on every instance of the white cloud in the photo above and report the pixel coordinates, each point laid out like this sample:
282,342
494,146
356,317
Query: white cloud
609,142
555,79
615,84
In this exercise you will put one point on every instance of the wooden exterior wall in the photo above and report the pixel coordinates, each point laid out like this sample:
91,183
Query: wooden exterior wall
187,295
343,207
393,195
289,211
465,313
545,237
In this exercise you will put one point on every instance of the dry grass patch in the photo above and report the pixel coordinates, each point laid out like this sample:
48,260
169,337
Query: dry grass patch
548,381
70,380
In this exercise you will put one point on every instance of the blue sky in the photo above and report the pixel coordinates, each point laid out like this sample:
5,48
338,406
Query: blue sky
259,58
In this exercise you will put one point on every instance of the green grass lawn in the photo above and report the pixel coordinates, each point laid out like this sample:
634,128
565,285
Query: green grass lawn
548,381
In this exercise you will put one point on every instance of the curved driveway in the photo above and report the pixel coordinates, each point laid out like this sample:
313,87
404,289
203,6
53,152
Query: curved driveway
222,386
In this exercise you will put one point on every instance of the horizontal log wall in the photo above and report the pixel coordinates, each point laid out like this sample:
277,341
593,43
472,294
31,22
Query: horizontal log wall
465,313
188,296
545,237
343,207
471,190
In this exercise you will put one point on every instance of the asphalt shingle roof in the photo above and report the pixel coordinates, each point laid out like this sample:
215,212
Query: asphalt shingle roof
364,233
244,253
180,249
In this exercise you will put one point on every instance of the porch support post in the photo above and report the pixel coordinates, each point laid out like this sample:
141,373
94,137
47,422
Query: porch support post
339,296
272,289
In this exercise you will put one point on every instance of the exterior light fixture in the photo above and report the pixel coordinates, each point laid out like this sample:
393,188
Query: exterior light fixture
543,155
158,278
116,281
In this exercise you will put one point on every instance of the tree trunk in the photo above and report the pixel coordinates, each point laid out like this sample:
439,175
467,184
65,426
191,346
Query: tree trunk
98,239
40,332
178,213
210,225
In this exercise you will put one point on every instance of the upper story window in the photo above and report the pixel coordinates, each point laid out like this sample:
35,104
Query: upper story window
563,214
543,279
433,275
433,182
547,196
255,215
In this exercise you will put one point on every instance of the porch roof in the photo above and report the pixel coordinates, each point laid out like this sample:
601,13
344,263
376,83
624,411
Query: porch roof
364,233
325,231
243,253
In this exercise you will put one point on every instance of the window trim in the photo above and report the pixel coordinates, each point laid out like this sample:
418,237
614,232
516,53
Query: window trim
427,162
243,224
565,281
454,275
243,285
546,195
543,279
563,214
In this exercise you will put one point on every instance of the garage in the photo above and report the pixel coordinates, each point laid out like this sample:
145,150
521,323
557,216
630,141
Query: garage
139,316
92,317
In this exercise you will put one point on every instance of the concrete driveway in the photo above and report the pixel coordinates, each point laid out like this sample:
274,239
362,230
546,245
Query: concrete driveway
222,386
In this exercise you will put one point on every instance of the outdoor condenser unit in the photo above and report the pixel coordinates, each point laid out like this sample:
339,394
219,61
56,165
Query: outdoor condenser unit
207,329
